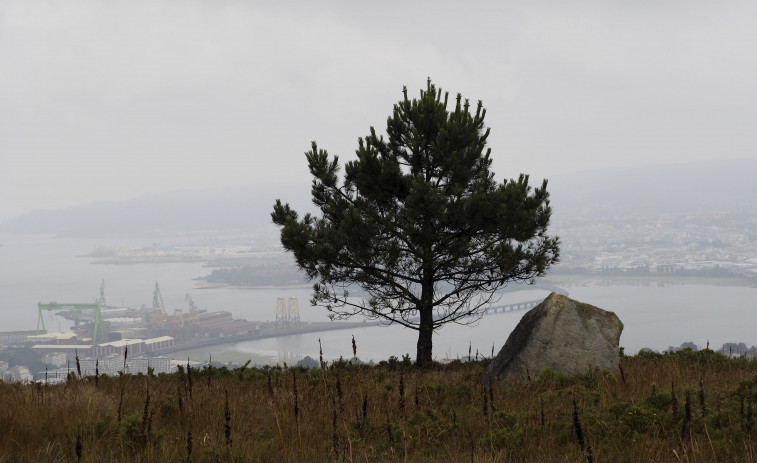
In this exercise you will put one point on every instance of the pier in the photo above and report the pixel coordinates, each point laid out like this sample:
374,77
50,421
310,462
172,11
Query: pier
513,307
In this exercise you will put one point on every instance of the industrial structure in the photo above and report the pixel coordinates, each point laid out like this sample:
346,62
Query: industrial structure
287,312
97,323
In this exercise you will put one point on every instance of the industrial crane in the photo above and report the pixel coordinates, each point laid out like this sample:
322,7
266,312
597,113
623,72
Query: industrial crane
97,325
193,318
159,314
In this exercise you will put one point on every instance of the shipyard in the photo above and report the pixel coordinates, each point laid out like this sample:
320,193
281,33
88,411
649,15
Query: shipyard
107,339
110,339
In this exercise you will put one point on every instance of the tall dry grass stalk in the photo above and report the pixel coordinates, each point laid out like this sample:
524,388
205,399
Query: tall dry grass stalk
188,446
146,414
296,395
401,391
542,418
120,405
491,395
335,436
227,419
686,418
189,380
180,400
209,370
674,403
78,447
578,429
320,355
749,419
364,416
339,393
485,407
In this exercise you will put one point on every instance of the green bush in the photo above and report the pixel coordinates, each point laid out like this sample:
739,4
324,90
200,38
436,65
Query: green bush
130,428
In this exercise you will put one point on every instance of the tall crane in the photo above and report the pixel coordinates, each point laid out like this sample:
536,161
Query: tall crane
97,323
193,318
159,314
102,294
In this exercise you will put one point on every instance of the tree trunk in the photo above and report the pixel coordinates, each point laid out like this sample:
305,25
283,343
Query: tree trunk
426,326
425,332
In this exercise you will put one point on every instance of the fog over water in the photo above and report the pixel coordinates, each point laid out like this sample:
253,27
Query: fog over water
40,268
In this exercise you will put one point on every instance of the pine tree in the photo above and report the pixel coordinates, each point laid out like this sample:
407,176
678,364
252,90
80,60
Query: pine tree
418,222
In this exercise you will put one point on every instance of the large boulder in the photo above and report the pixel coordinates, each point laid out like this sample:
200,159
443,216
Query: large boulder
561,334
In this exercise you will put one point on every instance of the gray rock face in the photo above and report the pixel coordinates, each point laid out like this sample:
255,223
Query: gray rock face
561,334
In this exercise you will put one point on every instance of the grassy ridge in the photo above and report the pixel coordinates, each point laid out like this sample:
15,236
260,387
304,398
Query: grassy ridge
687,406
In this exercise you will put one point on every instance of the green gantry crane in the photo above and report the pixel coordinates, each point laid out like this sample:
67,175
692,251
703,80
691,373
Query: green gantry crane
98,322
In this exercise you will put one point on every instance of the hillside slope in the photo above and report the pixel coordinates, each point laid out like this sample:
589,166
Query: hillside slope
726,186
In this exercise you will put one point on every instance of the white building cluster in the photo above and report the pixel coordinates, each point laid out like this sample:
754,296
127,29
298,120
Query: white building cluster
133,346
111,365
15,374
701,243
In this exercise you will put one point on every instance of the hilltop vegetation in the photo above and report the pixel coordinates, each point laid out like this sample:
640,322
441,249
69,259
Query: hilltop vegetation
256,275
685,406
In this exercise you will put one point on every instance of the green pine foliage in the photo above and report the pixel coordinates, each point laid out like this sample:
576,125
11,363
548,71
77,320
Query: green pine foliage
419,222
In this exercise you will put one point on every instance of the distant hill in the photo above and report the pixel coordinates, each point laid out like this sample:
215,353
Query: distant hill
237,208
727,186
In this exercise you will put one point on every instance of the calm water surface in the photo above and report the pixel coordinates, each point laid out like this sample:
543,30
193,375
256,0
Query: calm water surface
41,269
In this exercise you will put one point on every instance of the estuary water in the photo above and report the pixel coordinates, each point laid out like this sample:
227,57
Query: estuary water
40,268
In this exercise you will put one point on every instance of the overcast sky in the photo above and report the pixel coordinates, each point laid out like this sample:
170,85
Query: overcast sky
107,100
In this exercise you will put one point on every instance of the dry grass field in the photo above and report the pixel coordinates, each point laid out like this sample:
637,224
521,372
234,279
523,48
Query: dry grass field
688,406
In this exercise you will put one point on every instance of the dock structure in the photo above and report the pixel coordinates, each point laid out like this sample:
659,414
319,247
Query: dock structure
513,307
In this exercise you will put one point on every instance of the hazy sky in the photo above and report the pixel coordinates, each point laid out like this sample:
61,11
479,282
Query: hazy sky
107,100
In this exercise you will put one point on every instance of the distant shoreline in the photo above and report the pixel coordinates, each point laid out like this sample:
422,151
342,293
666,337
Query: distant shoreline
635,279
203,284
562,280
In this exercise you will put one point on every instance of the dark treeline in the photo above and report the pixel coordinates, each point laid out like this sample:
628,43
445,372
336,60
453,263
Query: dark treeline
729,349
256,275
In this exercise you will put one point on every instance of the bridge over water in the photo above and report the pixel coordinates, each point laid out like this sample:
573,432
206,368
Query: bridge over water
512,307
314,327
